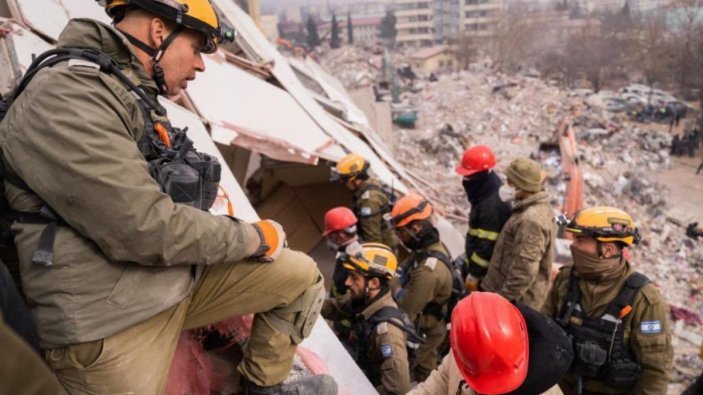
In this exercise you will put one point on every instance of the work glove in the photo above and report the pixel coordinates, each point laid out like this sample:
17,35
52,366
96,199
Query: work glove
272,240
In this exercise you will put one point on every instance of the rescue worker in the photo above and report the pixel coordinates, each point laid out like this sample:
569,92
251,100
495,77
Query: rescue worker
488,211
380,329
426,280
522,259
113,268
370,202
340,232
618,320
500,348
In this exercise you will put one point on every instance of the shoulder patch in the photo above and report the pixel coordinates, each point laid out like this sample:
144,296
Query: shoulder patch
82,63
651,327
365,195
365,211
386,350
431,262
382,328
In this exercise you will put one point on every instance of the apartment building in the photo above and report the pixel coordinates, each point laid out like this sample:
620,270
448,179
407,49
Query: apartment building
430,22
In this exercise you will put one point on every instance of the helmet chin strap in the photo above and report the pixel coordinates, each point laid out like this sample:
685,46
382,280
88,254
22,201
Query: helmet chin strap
156,55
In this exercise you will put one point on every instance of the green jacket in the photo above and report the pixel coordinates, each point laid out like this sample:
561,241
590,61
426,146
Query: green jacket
370,206
429,281
521,264
653,350
129,252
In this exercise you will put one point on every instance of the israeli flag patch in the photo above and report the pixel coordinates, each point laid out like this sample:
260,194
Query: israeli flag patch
386,350
651,327
366,211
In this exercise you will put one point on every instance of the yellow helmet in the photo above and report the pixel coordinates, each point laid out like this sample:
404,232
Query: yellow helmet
198,15
605,224
351,166
378,260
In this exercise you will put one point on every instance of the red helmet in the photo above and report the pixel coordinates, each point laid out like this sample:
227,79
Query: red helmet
476,158
339,218
489,342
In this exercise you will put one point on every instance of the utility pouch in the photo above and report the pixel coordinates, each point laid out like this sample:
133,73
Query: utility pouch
623,373
591,357
178,180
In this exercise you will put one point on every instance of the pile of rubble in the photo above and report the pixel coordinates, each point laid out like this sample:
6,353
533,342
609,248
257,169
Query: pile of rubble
518,116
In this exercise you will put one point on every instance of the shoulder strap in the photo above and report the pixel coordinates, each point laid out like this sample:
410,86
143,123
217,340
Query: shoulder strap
573,298
441,257
106,63
395,317
626,296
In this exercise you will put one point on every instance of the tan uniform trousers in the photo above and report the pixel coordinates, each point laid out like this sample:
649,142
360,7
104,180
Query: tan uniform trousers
137,360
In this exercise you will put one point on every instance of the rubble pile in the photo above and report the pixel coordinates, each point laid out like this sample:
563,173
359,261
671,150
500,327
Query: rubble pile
518,116
354,67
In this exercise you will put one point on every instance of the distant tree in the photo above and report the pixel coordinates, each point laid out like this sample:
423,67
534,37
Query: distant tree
466,48
653,51
593,57
387,28
334,40
514,38
313,38
350,30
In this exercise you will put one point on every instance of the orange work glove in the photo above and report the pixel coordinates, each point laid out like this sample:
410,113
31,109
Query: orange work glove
272,240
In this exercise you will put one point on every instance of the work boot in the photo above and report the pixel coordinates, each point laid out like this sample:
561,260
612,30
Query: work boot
320,384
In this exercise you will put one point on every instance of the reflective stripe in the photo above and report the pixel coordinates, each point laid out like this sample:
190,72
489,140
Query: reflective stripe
483,234
478,260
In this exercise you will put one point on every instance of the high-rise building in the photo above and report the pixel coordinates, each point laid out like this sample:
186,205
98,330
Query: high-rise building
430,22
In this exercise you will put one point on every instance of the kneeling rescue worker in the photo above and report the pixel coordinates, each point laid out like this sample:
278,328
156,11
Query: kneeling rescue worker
380,329
370,202
427,280
618,320
117,251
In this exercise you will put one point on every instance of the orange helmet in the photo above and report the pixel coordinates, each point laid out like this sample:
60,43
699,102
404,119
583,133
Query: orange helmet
410,208
490,343
475,159
340,218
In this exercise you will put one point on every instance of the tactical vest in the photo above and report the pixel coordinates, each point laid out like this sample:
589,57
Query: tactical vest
362,330
189,177
442,311
599,344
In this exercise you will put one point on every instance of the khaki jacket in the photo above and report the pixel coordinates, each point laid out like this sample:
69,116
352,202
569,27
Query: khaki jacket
386,359
370,206
447,380
129,252
430,281
522,259
653,351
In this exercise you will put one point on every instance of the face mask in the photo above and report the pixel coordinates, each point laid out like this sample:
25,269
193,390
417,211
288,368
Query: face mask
428,235
507,194
331,245
593,268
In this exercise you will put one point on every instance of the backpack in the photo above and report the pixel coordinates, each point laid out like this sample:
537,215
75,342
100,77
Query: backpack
458,288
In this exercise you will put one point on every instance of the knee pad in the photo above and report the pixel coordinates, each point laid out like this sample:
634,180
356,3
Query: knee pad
297,319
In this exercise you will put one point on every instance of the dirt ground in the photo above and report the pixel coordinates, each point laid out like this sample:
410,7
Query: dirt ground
685,188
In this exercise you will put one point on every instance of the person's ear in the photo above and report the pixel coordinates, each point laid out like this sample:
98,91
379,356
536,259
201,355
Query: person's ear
157,32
